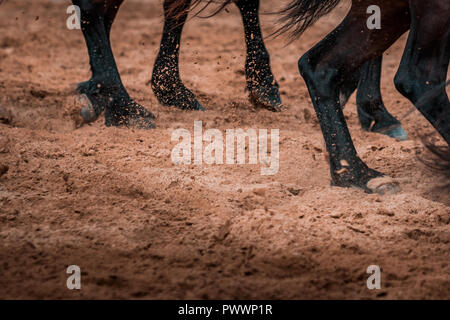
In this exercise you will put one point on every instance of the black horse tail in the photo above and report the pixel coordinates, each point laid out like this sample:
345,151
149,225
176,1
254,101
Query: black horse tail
299,15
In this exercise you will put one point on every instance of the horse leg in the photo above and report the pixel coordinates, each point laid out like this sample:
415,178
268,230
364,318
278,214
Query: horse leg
372,113
327,66
166,82
106,88
261,84
423,70
90,85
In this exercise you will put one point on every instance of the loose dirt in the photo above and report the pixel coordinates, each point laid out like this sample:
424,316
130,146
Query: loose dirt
112,202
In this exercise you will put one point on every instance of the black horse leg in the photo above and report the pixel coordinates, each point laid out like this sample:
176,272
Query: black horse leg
423,69
105,89
166,82
327,66
372,113
261,84
90,85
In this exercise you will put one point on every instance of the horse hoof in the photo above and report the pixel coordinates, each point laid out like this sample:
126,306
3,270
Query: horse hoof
383,186
269,103
140,123
132,115
196,106
87,109
396,132
81,87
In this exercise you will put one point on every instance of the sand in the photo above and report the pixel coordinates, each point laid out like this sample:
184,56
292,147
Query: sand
112,202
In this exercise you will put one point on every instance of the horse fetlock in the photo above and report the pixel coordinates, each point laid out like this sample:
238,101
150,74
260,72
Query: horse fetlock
263,88
354,174
104,86
176,95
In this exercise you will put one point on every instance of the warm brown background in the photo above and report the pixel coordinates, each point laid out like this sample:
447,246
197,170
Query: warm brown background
111,201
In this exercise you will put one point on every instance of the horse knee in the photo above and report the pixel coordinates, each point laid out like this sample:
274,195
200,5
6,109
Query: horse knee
413,84
405,82
322,77
304,66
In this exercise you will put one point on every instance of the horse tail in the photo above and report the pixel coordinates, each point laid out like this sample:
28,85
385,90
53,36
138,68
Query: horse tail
177,6
299,15
440,161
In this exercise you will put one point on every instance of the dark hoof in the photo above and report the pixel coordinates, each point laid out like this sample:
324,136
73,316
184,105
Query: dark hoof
396,132
386,124
132,116
189,104
87,109
268,99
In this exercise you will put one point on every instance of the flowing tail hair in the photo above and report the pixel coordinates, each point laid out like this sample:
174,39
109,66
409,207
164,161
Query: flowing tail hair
299,15
296,17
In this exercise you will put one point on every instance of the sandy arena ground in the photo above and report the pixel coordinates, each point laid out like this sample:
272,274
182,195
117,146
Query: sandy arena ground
112,202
